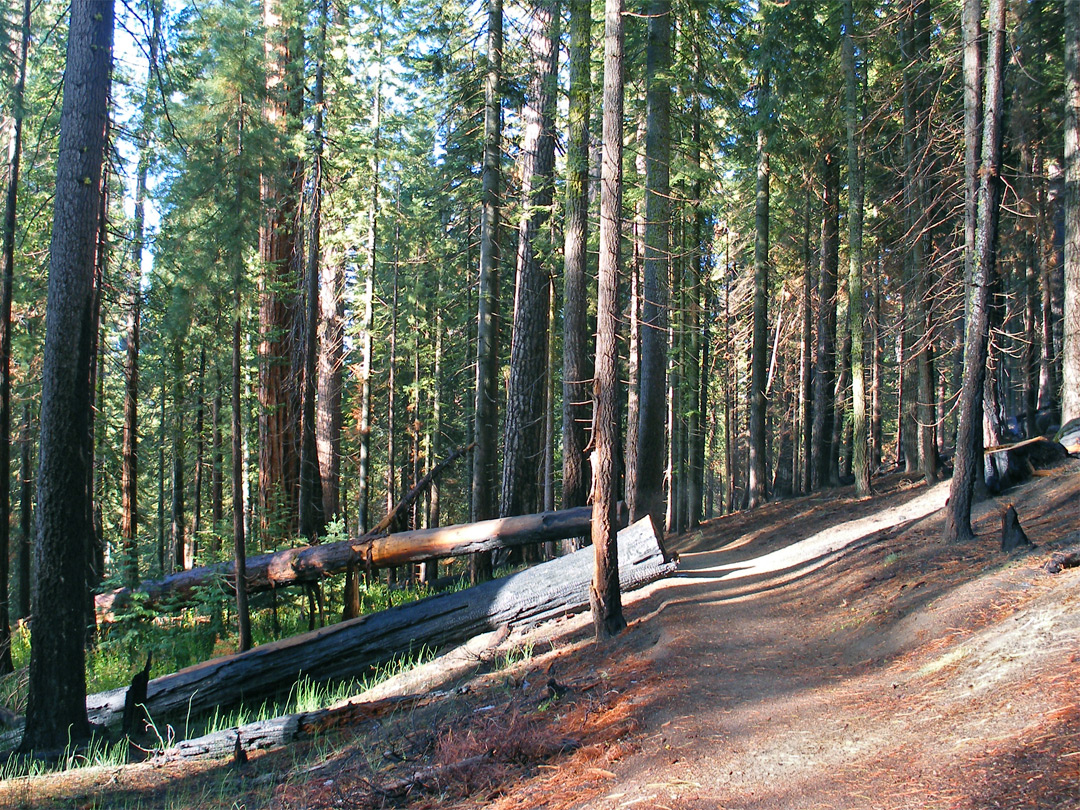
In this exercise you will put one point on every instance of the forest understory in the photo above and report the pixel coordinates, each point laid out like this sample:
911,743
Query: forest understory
819,652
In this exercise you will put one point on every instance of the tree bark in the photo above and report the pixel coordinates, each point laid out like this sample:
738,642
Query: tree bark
805,439
197,484
331,357
486,420
56,708
243,615
523,434
958,513
825,347
647,498
605,599
1070,370
26,513
363,465
853,119
309,508
576,371
757,492
177,533
279,250
217,495
8,281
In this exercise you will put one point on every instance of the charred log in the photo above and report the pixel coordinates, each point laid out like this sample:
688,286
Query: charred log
350,649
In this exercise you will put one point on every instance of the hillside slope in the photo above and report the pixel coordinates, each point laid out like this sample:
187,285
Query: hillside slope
820,652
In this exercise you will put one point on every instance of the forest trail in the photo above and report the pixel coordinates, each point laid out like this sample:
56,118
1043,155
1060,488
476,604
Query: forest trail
839,656
823,652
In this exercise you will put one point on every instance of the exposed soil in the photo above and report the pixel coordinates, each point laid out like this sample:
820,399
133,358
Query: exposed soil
822,652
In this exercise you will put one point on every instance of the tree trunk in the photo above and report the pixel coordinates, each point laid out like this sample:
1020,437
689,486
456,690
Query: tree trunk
958,513
95,558
971,22
525,389
309,509
163,396
279,250
757,481
576,372
243,615
56,708
853,118
1070,368
825,348
878,373
177,537
633,342
200,419
331,357
310,564
647,498
217,496
486,420
696,393
363,465
26,513
344,650
8,281
804,439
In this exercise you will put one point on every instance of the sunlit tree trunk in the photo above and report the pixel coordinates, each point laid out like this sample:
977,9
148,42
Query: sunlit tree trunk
523,433
280,252
757,492
968,445
576,371
177,534
310,504
1070,389
605,598
853,118
239,491
367,323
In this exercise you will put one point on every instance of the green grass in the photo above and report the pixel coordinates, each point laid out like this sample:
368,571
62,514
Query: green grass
307,696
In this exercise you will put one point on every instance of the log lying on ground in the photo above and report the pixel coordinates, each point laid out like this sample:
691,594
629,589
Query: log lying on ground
278,731
349,649
311,563
1069,558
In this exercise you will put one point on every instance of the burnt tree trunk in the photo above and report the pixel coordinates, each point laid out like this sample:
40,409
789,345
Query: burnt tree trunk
56,709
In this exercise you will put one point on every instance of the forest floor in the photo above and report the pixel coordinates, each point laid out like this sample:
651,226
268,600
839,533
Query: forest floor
820,652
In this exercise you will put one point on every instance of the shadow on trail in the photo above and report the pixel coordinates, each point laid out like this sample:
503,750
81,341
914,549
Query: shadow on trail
757,628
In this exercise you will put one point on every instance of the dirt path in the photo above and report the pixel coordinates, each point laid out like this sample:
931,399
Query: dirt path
861,665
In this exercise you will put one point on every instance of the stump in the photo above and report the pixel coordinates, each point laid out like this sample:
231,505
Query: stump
1012,533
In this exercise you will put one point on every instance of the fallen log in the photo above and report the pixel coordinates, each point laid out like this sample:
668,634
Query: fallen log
351,648
312,563
1070,558
278,731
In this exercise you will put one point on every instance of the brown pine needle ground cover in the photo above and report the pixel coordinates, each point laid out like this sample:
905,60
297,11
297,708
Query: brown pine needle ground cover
822,652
